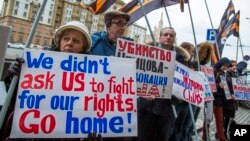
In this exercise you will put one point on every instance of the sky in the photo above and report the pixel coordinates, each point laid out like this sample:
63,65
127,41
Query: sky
181,21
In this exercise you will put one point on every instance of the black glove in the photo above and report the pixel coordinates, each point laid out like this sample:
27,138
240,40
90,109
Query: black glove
93,137
15,67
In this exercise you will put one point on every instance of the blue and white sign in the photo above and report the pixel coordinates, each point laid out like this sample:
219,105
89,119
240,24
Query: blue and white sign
211,34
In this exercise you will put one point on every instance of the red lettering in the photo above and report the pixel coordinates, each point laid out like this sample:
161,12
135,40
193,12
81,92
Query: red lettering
131,49
52,124
34,128
122,45
68,82
192,97
40,81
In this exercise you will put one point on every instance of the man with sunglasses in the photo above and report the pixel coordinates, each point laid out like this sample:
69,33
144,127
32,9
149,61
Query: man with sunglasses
104,43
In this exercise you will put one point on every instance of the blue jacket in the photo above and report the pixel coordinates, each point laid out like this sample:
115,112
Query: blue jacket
101,45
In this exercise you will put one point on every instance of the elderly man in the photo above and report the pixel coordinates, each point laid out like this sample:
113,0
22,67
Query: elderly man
104,43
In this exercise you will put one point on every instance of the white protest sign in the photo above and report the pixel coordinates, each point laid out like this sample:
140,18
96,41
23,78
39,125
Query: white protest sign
188,85
155,67
225,87
66,95
208,93
209,72
241,90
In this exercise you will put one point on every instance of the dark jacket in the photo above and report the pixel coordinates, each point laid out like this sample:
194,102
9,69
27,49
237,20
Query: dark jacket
163,107
231,103
240,67
219,96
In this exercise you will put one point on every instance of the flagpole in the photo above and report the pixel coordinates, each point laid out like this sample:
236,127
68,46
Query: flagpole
241,47
15,78
166,11
149,27
237,49
216,43
218,53
198,61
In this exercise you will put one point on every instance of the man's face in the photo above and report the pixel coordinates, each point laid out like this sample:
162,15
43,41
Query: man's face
167,38
117,28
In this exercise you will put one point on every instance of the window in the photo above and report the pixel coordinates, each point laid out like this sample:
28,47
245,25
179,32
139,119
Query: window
24,14
15,11
49,20
20,37
17,3
50,13
22,29
37,40
26,6
45,43
51,6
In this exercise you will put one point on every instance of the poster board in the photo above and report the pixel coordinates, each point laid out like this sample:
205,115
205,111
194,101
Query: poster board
154,67
66,95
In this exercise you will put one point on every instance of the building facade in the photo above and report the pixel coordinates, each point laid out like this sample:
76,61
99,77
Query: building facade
20,15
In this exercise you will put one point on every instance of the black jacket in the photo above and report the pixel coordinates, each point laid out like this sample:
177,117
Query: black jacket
219,96
231,103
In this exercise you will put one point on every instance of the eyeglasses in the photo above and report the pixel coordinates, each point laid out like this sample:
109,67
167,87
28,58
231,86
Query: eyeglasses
120,23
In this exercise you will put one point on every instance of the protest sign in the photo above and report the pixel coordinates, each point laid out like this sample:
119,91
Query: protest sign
209,72
155,67
66,95
241,89
207,89
225,87
188,85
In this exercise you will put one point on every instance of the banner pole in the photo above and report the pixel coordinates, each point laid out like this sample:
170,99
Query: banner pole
237,49
193,121
149,27
166,11
15,78
241,47
216,43
198,62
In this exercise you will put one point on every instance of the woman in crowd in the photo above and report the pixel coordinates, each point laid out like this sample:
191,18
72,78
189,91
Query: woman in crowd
73,37
230,106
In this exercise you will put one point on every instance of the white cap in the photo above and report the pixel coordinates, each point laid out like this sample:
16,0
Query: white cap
73,25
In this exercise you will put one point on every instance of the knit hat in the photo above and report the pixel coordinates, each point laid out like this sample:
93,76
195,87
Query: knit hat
77,26
221,62
113,14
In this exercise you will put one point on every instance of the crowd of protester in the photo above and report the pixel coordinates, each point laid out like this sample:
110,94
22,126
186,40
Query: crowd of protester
156,119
